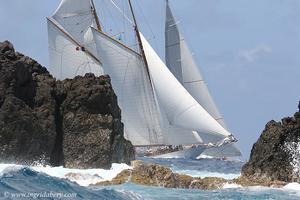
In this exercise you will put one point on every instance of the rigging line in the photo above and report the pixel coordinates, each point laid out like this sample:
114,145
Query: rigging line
148,24
138,36
146,21
120,10
118,42
195,81
113,17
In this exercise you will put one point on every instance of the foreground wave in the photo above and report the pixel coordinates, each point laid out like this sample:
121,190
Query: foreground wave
15,179
17,182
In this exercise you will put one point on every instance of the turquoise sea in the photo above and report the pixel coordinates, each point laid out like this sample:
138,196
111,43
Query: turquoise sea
39,182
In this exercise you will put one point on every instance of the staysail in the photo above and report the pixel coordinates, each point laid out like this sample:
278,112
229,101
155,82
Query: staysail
181,63
181,108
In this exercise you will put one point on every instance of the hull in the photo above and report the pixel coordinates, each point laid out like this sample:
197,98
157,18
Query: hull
187,153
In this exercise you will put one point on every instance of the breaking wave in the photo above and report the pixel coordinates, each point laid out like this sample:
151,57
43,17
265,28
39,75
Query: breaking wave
17,181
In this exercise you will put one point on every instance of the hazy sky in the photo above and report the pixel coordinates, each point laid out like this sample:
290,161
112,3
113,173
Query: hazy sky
248,51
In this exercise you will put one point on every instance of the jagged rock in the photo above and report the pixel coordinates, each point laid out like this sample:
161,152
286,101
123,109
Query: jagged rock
160,176
250,181
76,123
157,175
270,160
92,121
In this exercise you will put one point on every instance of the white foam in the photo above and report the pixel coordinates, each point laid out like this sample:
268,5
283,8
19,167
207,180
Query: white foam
231,186
204,174
293,148
205,157
292,186
84,177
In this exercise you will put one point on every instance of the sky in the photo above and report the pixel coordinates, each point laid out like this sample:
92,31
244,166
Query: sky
248,51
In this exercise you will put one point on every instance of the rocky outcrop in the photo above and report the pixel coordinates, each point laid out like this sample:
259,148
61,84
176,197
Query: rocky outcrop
157,175
92,124
161,176
76,123
272,157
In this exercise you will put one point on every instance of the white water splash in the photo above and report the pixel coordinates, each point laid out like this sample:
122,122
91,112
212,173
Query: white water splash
205,174
292,186
83,177
293,148
231,186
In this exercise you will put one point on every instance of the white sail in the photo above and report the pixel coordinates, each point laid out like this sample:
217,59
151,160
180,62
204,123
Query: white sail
132,86
181,108
76,16
181,63
67,59
145,123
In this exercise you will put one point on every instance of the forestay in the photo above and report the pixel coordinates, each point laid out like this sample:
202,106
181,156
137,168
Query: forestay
181,109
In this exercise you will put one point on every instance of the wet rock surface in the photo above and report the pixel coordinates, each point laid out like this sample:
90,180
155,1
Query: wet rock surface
75,122
161,176
272,158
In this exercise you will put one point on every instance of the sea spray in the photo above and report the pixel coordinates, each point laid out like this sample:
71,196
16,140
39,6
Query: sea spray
293,149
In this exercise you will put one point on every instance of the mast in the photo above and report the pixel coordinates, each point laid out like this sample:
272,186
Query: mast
96,16
139,39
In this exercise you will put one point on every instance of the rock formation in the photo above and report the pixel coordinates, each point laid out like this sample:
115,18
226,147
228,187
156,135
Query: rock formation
76,123
157,175
272,157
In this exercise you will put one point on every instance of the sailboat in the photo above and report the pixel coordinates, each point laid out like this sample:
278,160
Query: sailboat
157,110
181,63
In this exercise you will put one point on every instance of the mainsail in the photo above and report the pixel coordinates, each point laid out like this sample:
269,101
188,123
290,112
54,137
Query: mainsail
181,63
130,82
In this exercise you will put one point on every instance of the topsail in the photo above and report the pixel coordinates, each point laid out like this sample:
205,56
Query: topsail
71,46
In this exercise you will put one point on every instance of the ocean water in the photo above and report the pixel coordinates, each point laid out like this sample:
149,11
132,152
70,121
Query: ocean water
40,182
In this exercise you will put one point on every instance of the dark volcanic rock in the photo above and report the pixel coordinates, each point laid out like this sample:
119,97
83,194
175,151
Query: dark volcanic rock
27,122
92,121
270,158
73,122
